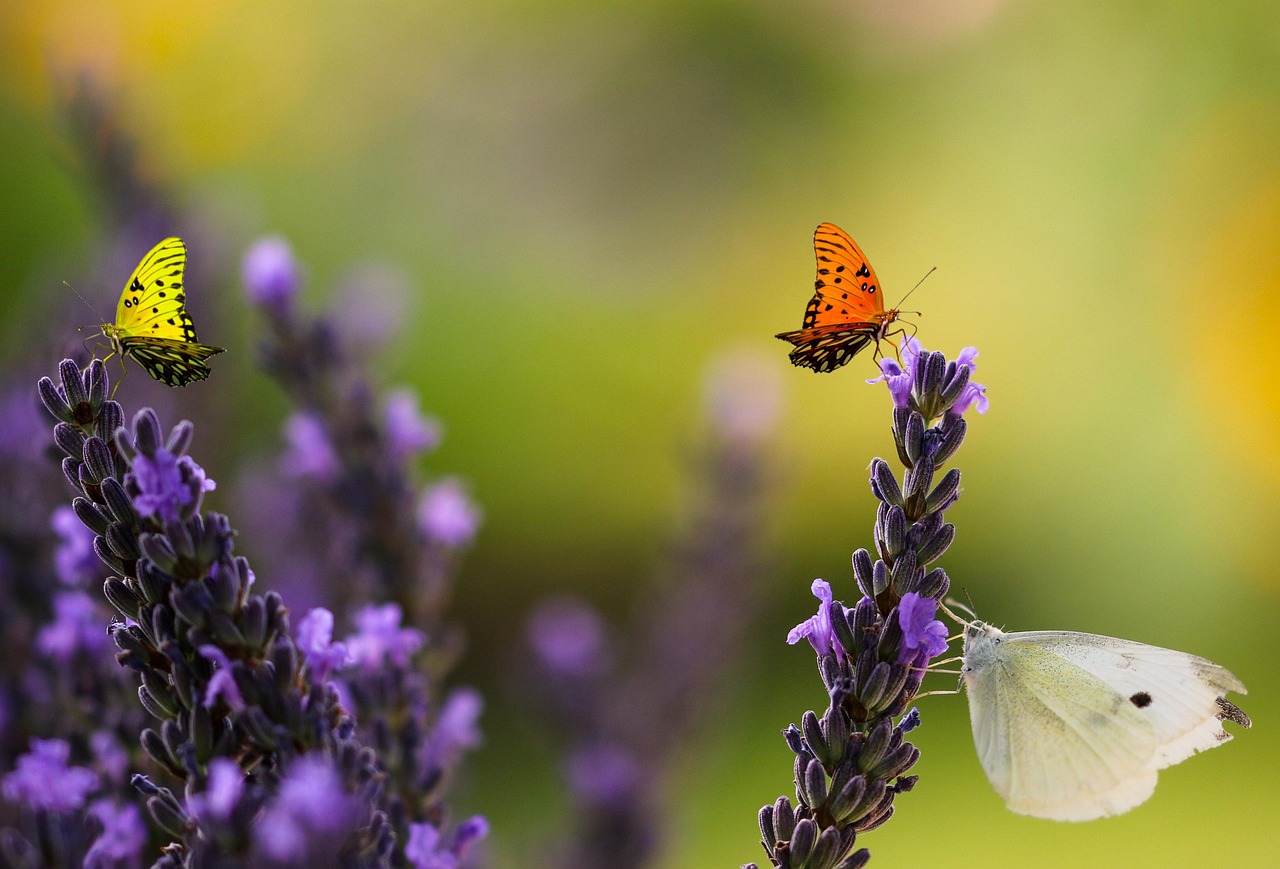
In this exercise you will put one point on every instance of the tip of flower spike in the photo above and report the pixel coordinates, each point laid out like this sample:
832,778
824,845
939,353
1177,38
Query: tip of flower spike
271,275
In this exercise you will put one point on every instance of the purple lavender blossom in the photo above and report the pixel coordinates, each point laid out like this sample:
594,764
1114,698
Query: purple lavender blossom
604,774
311,815
122,839
162,491
457,726
901,378
817,629
923,636
222,684
379,638
314,636
568,636
446,515
76,562
76,627
219,798
271,276
408,431
308,451
426,850
974,393
42,779
110,755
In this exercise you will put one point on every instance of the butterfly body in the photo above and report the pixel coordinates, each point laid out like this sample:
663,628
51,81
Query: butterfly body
847,310
152,324
1072,726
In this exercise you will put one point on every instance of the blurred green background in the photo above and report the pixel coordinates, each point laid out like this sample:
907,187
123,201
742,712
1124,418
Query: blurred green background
590,204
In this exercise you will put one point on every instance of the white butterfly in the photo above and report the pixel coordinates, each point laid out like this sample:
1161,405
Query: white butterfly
1072,726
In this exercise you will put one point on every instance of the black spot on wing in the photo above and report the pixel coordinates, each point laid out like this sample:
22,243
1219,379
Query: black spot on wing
1142,699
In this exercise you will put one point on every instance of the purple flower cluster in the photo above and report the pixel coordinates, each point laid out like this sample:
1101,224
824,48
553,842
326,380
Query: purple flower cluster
629,702
217,669
374,550
852,761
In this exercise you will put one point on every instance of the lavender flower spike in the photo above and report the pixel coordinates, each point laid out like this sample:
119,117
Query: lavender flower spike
852,761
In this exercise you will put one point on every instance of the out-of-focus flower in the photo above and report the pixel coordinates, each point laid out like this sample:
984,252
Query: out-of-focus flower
447,516
76,562
457,726
568,636
426,849
604,775
308,450
271,276
311,813
42,779
314,636
122,838
379,637
222,683
743,394
226,783
110,754
408,431
77,626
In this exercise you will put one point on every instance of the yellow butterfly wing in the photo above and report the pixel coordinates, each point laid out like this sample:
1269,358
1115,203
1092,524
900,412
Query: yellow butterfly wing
153,301
152,324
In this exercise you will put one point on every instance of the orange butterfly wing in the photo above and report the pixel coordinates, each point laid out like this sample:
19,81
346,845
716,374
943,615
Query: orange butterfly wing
846,312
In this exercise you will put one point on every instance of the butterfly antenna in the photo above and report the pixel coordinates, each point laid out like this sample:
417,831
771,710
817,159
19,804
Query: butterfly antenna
916,287
92,310
955,618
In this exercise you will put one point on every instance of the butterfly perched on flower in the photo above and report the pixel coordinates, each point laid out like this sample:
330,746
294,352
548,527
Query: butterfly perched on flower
152,324
847,310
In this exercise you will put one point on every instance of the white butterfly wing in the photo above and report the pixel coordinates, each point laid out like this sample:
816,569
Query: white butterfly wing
1179,694
1057,728
1054,740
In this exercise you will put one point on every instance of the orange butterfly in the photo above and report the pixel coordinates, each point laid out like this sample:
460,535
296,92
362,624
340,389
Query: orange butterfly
846,312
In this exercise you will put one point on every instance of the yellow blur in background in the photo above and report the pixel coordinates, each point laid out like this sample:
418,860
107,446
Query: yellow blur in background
591,204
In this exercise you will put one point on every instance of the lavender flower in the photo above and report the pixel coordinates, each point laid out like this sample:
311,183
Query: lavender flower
628,719
77,628
446,515
408,431
853,761
217,668
315,640
427,848
311,817
818,629
309,453
379,638
122,839
271,275
568,636
76,563
922,634
43,779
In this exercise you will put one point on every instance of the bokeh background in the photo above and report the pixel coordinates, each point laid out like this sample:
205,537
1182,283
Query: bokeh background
575,213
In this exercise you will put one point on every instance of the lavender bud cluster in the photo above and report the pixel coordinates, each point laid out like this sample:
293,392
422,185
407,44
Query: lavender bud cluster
215,665
852,761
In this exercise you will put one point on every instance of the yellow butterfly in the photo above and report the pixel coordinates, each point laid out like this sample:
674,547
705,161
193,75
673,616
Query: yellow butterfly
152,324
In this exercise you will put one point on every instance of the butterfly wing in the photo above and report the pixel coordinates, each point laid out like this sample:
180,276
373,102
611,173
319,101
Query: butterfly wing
152,324
153,303
846,312
1182,696
172,362
1073,726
